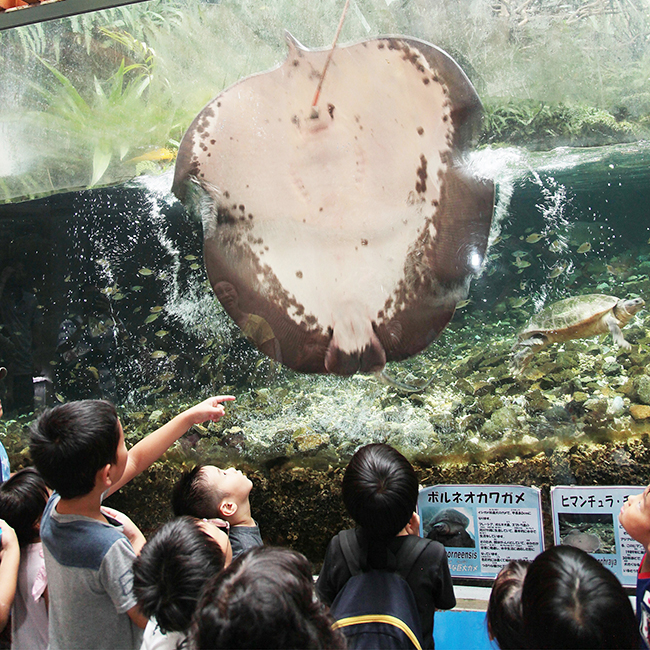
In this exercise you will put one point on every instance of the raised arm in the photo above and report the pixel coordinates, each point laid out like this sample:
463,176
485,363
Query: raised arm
9,561
151,448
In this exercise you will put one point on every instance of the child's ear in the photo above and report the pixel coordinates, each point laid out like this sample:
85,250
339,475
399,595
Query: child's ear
103,476
227,508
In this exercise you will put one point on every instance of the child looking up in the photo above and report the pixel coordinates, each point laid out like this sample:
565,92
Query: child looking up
380,491
635,518
22,501
504,618
79,450
208,492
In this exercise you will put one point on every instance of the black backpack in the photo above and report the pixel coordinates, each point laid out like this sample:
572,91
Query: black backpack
376,609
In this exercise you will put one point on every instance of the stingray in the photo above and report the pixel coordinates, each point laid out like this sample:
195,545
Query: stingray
340,236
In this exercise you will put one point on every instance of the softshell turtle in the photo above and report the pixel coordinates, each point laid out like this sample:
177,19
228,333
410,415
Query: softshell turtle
575,318
449,527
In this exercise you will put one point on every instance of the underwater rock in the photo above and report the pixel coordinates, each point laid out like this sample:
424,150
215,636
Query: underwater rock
580,397
537,402
306,441
489,403
501,421
642,387
612,368
640,411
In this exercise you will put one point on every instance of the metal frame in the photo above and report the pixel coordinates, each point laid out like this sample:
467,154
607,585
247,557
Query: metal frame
53,10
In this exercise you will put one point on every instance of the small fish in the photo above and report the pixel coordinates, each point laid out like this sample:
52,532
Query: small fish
166,376
59,397
137,287
556,246
534,238
191,258
519,254
521,264
158,354
138,309
151,318
195,266
118,296
156,309
67,279
142,340
584,248
94,371
157,155
173,357
206,359
557,270
145,271
463,303
161,333
497,239
259,362
518,302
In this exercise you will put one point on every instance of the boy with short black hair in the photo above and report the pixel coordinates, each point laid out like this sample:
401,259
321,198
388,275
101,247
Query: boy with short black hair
380,491
170,573
208,492
80,451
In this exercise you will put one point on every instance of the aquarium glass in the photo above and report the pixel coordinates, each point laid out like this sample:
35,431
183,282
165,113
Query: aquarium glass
102,283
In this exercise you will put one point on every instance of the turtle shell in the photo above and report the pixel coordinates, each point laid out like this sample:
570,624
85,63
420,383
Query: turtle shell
452,516
577,311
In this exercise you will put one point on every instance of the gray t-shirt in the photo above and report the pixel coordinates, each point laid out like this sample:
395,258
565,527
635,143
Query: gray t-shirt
90,578
244,537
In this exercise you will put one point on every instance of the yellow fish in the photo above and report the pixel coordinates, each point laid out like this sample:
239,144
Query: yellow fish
584,248
145,271
556,270
157,155
191,258
521,264
534,238
162,333
158,354
156,309
151,318
463,303
195,266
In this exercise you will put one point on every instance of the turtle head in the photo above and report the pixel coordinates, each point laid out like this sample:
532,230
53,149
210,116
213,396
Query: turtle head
630,307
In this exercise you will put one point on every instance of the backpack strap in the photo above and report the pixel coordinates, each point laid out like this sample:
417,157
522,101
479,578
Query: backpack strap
408,555
351,550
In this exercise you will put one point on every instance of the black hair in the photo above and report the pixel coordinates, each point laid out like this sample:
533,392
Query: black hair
171,571
71,442
264,599
192,496
23,497
570,600
380,490
504,617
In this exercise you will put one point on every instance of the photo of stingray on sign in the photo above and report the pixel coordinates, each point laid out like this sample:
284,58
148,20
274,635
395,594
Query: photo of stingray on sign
340,234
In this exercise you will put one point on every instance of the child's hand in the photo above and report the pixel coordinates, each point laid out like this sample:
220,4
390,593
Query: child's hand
132,532
210,409
9,539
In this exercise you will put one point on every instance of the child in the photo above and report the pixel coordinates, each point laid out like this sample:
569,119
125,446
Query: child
9,563
380,491
170,573
22,501
504,618
264,599
209,492
79,450
635,518
570,600
4,459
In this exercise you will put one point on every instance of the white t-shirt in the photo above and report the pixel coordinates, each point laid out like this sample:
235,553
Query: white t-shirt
154,639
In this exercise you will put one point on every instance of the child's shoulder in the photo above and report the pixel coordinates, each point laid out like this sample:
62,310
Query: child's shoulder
78,541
